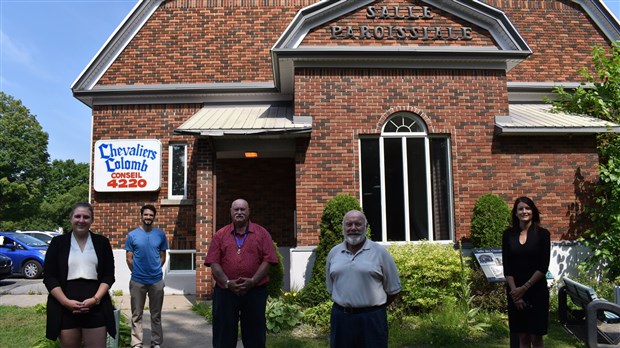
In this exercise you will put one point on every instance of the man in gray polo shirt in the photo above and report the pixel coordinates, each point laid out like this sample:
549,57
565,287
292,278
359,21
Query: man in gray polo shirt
362,278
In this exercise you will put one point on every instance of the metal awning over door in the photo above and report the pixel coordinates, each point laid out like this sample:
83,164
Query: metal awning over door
224,120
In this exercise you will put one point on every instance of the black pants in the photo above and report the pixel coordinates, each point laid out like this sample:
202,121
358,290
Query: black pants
358,330
229,309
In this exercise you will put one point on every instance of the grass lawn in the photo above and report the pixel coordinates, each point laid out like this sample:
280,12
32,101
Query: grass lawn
420,332
22,327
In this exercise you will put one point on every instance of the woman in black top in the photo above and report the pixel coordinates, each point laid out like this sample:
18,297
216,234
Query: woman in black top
526,250
78,272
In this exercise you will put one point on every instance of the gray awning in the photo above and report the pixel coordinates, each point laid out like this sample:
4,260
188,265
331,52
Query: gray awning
245,120
537,119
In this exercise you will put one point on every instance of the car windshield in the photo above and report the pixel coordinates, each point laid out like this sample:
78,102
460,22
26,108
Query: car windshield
28,240
41,236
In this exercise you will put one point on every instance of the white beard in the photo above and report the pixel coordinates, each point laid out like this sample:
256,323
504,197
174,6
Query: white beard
355,239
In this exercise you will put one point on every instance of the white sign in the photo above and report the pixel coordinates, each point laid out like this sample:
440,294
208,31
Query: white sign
124,165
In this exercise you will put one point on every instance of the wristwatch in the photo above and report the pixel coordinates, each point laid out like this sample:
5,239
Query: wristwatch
97,300
227,281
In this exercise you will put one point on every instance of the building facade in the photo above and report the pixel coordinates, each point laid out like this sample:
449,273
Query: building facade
416,108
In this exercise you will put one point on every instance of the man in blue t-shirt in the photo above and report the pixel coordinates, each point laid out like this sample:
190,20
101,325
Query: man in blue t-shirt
146,254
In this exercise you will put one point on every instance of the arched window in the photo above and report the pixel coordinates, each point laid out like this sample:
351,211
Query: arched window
406,182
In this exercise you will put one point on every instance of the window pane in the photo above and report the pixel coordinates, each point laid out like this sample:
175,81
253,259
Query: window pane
181,262
178,170
440,189
418,209
403,123
371,186
394,190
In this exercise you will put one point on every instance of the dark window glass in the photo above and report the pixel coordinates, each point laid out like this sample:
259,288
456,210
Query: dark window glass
394,190
440,188
179,171
371,186
418,206
181,262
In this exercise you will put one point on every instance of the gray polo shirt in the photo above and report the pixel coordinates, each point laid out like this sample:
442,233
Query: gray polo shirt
361,280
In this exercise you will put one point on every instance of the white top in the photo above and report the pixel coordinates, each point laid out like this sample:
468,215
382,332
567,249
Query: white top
82,264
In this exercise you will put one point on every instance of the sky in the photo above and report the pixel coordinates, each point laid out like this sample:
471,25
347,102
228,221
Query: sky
46,44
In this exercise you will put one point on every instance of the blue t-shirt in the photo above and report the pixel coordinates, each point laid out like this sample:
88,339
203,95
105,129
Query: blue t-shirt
146,247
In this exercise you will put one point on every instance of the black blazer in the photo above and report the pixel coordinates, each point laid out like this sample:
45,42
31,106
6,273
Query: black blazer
56,268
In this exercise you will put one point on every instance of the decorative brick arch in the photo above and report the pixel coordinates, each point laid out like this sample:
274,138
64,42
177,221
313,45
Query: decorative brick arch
391,111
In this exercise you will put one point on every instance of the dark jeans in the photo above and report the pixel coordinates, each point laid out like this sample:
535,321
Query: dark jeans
229,309
358,330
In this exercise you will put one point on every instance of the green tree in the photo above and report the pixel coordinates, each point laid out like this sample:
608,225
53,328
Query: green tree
331,234
23,160
66,183
600,98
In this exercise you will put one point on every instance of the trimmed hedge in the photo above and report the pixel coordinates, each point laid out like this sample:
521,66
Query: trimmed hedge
430,275
491,216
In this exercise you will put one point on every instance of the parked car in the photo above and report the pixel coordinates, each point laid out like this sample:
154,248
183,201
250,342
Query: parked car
26,252
6,266
45,236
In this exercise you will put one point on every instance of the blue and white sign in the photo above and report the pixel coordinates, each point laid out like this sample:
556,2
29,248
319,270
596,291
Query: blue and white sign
124,165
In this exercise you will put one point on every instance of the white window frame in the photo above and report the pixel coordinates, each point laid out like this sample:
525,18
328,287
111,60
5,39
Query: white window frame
171,254
427,159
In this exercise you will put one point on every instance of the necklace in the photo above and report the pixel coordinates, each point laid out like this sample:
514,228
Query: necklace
240,241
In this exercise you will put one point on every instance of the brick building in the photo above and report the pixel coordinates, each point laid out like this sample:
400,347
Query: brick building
417,108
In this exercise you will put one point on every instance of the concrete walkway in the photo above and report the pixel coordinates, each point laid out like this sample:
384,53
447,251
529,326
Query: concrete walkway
182,327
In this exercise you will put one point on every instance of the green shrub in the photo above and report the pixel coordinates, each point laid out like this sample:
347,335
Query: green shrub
430,275
282,315
487,296
276,276
318,316
331,234
490,218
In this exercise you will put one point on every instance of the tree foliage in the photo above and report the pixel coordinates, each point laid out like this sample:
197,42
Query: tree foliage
34,193
600,97
23,160
331,235
65,185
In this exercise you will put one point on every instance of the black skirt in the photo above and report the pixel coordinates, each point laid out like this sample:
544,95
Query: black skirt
533,320
80,290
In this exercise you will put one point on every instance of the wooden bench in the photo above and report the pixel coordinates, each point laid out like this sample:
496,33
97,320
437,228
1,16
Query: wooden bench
596,322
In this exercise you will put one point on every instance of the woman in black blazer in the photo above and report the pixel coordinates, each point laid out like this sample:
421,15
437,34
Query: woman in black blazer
78,272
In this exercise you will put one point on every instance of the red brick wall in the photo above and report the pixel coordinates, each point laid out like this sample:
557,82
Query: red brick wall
205,213
269,187
213,41
210,41
560,34
120,212
205,41
346,103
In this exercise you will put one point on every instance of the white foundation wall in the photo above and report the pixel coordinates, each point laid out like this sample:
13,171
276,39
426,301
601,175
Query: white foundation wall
177,282
298,262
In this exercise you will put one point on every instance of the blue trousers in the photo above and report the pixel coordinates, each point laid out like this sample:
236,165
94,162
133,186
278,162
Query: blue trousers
358,330
230,309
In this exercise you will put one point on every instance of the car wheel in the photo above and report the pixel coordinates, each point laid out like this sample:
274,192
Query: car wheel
32,269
